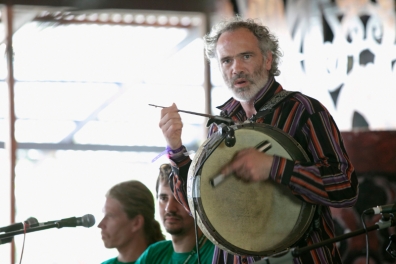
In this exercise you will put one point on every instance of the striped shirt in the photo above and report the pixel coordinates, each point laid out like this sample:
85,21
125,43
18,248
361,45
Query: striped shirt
328,180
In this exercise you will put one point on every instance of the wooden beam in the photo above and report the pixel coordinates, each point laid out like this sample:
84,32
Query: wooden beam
173,5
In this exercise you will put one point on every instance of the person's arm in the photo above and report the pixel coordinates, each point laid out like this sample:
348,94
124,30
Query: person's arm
180,165
330,178
171,126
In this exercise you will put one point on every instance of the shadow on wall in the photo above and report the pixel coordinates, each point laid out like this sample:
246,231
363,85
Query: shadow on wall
374,189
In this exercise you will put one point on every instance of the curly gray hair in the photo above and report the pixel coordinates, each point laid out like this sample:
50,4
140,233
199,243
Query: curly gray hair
267,41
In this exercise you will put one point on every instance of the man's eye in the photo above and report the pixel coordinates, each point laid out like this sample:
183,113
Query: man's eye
247,56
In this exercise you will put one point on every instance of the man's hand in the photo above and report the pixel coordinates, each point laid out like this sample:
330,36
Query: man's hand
171,126
249,165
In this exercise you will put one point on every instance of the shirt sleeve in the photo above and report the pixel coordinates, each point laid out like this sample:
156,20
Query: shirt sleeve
178,179
329,178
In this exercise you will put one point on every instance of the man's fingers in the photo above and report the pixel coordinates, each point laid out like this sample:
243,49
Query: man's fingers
171,126
168,118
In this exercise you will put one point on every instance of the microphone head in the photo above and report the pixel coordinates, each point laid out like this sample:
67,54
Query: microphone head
87,220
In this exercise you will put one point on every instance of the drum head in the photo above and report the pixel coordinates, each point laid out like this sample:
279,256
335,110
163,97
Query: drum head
248,218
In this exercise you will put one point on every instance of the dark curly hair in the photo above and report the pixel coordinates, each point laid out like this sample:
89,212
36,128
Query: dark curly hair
164,172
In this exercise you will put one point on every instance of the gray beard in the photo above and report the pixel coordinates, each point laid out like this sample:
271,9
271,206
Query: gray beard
248,93
257,82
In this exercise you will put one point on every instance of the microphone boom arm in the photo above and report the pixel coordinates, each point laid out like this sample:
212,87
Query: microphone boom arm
28,230
387,222
287,255
87,220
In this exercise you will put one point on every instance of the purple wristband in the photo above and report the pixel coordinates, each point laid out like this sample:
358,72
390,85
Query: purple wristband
168,151
174,151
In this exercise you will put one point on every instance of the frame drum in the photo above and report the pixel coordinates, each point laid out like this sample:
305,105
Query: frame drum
256,219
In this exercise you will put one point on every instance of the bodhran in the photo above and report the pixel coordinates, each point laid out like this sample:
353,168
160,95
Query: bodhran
256,219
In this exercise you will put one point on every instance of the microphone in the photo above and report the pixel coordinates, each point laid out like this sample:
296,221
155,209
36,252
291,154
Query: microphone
87,220
31,221
381,209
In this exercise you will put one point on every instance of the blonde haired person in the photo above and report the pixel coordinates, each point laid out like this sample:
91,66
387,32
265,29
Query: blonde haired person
128,223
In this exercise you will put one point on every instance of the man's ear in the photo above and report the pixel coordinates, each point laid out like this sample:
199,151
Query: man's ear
268,60
137,223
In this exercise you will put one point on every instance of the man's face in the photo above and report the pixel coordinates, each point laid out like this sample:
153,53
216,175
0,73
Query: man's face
244,69
117,228
175,218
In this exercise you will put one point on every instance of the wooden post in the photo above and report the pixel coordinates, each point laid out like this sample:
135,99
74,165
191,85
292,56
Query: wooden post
207,75
10,142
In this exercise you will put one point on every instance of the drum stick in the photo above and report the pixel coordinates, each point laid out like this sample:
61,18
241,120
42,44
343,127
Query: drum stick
187,112
211,117
262,147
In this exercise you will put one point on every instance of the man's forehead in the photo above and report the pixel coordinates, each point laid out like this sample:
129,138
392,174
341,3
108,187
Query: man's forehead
112,206
164,189
112,202
233,43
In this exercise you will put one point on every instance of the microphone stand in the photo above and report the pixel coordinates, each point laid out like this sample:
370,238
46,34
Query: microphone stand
6,238
288,255
385,222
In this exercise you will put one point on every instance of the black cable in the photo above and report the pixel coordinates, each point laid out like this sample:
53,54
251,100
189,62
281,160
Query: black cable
367,238
196,234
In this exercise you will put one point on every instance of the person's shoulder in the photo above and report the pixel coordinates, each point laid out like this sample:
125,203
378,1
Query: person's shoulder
209,244
156,252
110,261
160,245
207,251
299,96
310,104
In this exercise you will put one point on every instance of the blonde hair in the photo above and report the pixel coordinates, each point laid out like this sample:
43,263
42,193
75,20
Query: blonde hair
137,199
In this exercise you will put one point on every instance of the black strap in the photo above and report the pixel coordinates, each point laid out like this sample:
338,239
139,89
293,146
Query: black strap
230,259
269,107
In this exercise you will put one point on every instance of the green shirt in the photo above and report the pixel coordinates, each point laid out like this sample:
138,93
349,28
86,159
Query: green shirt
162,252
116,261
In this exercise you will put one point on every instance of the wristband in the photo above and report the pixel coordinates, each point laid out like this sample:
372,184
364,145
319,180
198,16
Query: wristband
168,151
174,151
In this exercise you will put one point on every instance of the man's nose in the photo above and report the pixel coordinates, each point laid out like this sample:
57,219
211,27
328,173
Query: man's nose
101,224
171,205
238,66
